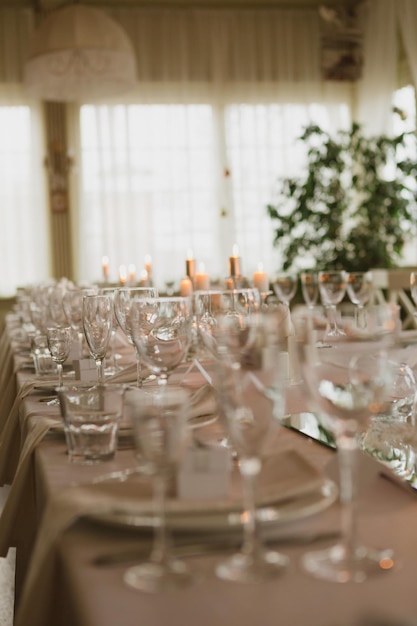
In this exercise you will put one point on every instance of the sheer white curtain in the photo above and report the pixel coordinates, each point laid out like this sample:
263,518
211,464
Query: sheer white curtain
191,160
24,236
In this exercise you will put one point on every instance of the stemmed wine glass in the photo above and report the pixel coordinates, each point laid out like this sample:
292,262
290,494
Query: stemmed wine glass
332,286
348,384
226,320
122,300
56,311
72,302
161,330
359,289
227,323
249,426
159,419
97,323
309,288
112,367
59,344
285,287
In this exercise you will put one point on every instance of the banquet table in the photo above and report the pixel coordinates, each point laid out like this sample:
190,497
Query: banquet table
59,578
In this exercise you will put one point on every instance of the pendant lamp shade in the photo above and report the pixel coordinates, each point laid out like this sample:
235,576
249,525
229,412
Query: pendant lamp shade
79,53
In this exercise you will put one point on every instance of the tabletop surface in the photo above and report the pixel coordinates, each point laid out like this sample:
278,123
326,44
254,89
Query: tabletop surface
72,589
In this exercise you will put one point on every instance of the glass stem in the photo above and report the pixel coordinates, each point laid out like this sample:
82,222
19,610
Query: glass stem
162,382
113,349
100,372
360,315
81,343
332,319
60,375
250,469
347,450
160,551
139,380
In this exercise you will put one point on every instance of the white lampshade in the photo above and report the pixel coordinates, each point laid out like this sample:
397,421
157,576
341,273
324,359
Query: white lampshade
79,53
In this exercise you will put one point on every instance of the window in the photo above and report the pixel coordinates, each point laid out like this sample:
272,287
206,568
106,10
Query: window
24,232
161,179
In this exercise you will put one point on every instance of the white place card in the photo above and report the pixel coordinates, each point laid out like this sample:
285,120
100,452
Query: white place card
85,370
204,474
74,353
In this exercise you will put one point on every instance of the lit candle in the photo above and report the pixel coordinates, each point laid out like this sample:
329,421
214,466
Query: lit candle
148,264
190,265
122,274
261,280
105,266
132,273
186,287
144,278
234,262
202,279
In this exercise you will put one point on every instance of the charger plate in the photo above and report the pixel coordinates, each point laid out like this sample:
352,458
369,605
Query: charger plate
212,521
290,488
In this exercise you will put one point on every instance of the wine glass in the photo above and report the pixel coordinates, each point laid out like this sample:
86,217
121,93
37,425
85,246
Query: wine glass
56,311
332,287
159,419
226,319
359,289
112,367
161,331
72,302
97,324
250,425
59,344
285,286
226,322
309,288
347,383
122,300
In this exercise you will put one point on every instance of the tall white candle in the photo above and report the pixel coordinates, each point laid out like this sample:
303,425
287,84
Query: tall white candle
105,266
122,274
186,287
148,264
132,273
202,279
143,278
234,262
261,280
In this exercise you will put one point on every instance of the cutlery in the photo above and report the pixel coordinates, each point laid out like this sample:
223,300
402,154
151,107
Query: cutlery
183,547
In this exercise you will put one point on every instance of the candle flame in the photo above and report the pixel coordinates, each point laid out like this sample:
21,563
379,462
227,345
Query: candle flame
190,255
235,250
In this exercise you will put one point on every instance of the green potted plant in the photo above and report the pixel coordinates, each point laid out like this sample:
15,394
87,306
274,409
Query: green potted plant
354,208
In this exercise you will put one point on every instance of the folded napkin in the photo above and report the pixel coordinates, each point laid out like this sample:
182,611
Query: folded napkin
127,375
294,474
202,404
